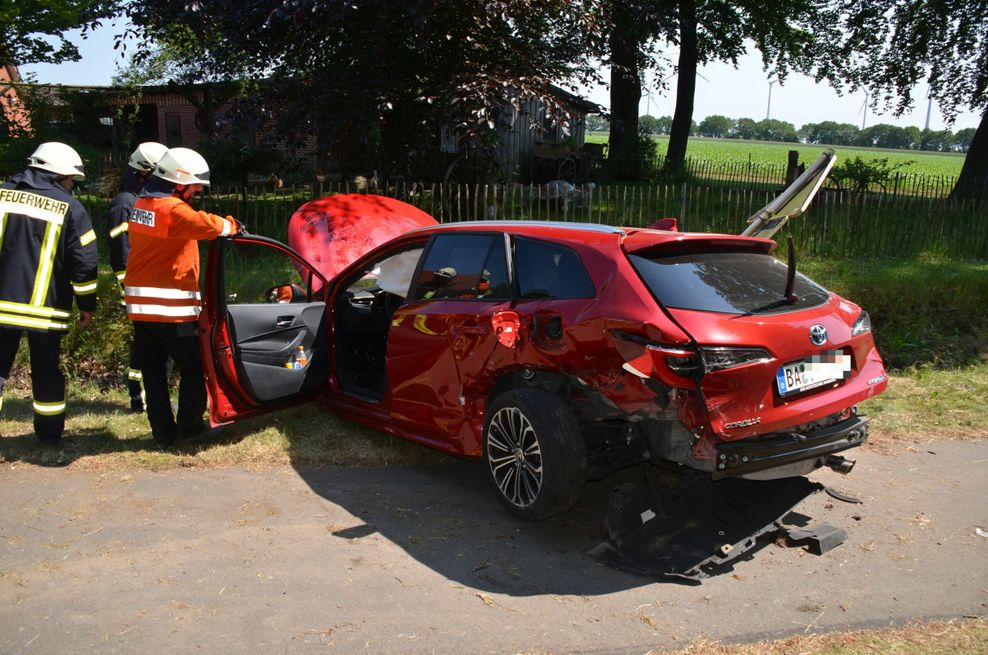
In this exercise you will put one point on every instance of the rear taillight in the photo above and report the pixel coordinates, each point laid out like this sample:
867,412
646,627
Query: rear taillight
676,367
862,325
719,358
686,364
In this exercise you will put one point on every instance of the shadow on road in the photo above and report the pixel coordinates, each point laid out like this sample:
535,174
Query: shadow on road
448,519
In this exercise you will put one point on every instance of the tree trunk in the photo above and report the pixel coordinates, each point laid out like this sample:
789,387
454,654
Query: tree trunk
626,93
973,181
682,120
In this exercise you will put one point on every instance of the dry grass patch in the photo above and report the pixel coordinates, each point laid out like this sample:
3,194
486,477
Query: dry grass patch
102,435
960,637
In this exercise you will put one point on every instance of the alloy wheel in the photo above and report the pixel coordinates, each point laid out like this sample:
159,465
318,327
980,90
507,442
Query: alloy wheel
514,456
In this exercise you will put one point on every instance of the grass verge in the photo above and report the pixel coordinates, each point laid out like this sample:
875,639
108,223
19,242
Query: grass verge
101,434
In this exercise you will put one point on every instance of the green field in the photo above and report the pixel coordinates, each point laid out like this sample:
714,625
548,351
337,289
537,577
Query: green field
773,153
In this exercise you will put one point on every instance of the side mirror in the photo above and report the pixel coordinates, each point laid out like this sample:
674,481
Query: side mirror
285,293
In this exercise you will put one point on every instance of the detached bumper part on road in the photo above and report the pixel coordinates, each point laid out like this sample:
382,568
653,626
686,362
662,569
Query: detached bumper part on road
738,458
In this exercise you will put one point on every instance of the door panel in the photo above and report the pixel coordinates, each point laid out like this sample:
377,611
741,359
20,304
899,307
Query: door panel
267,336
436,352
249,332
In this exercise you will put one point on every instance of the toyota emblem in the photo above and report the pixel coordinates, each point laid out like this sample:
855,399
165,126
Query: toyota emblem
818,335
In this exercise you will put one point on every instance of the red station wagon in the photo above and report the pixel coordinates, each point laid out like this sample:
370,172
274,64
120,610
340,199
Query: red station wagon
556,352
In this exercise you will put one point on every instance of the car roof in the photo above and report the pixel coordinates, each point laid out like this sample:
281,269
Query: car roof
633,239
522,227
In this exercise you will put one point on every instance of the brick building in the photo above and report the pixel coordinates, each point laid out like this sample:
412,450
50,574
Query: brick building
13,109
186,115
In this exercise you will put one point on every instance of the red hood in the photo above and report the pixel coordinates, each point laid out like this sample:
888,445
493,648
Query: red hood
333,232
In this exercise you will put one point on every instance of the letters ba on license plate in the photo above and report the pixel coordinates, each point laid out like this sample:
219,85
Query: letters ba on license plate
813,372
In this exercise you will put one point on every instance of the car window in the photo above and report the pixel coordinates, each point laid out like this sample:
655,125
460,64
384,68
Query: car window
464,267
725,282
547,270
392,274
255,273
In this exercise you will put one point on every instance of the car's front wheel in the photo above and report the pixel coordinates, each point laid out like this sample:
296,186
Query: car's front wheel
534,454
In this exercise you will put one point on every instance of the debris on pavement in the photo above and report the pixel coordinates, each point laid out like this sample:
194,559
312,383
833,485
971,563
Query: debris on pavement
818,540
843,497
692,531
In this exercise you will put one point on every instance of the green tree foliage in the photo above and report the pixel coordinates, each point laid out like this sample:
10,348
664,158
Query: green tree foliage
744,128
33,31
597,123
379,80
651,125
884,135
829,133
648,124
940,140
771,129
715,125
904,42
663,124
962,140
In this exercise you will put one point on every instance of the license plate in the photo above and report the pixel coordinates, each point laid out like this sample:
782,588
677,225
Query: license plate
812,372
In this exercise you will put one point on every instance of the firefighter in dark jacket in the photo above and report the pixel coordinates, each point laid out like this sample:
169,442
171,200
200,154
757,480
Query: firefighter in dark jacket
47,256
139,168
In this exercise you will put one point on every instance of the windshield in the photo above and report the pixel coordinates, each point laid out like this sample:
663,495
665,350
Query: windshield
725,282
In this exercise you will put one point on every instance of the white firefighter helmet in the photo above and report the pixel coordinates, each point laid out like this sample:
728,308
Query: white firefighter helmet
146,156
57,158
183,166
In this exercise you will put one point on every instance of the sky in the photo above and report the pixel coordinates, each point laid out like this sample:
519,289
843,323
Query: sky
720,89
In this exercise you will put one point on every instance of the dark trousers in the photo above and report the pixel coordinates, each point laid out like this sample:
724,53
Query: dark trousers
47,380
134,377
154,343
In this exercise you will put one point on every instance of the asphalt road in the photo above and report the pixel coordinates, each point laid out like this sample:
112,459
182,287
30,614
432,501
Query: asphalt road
425,561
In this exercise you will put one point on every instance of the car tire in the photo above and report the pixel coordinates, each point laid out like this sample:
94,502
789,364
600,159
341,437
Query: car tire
534,453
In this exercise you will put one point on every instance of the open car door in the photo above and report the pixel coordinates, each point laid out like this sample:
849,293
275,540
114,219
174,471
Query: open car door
793,201
262,328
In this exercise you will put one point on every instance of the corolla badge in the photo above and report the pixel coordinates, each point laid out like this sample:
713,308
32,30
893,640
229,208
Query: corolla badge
818,335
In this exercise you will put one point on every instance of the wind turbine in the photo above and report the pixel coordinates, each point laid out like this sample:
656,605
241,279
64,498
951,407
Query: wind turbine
929,109
768,109
864,108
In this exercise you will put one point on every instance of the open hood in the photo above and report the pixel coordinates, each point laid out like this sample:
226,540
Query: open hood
793,201
333,232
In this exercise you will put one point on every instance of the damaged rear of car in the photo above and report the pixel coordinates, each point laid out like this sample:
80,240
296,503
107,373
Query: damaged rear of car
769,384
694,350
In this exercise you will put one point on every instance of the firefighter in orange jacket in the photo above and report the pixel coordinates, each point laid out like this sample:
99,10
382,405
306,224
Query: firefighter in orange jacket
162,289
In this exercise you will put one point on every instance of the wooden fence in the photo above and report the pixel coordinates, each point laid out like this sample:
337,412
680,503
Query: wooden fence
103,174
839,223
751,175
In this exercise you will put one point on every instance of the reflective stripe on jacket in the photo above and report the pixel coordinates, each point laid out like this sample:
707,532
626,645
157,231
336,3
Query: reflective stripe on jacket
117,223
162,278
47,253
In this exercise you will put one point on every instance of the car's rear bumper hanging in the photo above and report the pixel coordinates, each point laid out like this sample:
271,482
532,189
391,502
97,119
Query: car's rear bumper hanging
751,455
